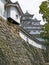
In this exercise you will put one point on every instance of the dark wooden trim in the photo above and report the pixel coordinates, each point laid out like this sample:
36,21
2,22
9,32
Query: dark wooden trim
12,21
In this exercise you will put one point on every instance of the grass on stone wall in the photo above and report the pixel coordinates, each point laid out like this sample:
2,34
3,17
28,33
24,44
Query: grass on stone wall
36,58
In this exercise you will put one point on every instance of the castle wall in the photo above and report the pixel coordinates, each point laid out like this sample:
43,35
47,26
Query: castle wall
30,41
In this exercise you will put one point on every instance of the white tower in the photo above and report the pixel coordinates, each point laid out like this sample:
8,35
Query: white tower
13,11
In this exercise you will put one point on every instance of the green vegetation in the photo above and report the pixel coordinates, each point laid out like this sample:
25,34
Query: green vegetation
44,9
32,52
3,59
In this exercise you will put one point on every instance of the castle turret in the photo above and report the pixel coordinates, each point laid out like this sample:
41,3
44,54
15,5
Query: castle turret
33,26
13,11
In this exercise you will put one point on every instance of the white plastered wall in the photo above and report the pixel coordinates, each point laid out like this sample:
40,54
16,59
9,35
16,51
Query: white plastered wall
27,39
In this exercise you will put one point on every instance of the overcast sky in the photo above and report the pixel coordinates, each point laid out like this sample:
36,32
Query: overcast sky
32,6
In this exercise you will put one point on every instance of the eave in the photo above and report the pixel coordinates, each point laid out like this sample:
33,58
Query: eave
16,6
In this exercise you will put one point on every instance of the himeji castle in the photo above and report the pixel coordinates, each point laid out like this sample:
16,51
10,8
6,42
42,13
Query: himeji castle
33,26
29,28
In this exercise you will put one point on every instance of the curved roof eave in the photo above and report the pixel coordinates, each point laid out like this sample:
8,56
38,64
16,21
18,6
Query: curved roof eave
16,4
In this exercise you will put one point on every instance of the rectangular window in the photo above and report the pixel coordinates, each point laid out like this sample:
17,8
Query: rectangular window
17,16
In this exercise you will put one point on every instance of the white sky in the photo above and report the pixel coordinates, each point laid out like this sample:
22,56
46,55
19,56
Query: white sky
32,6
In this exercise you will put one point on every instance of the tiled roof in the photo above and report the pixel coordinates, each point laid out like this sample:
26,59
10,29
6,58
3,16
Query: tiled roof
30,25
31,20
36,20
16,4
27,13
